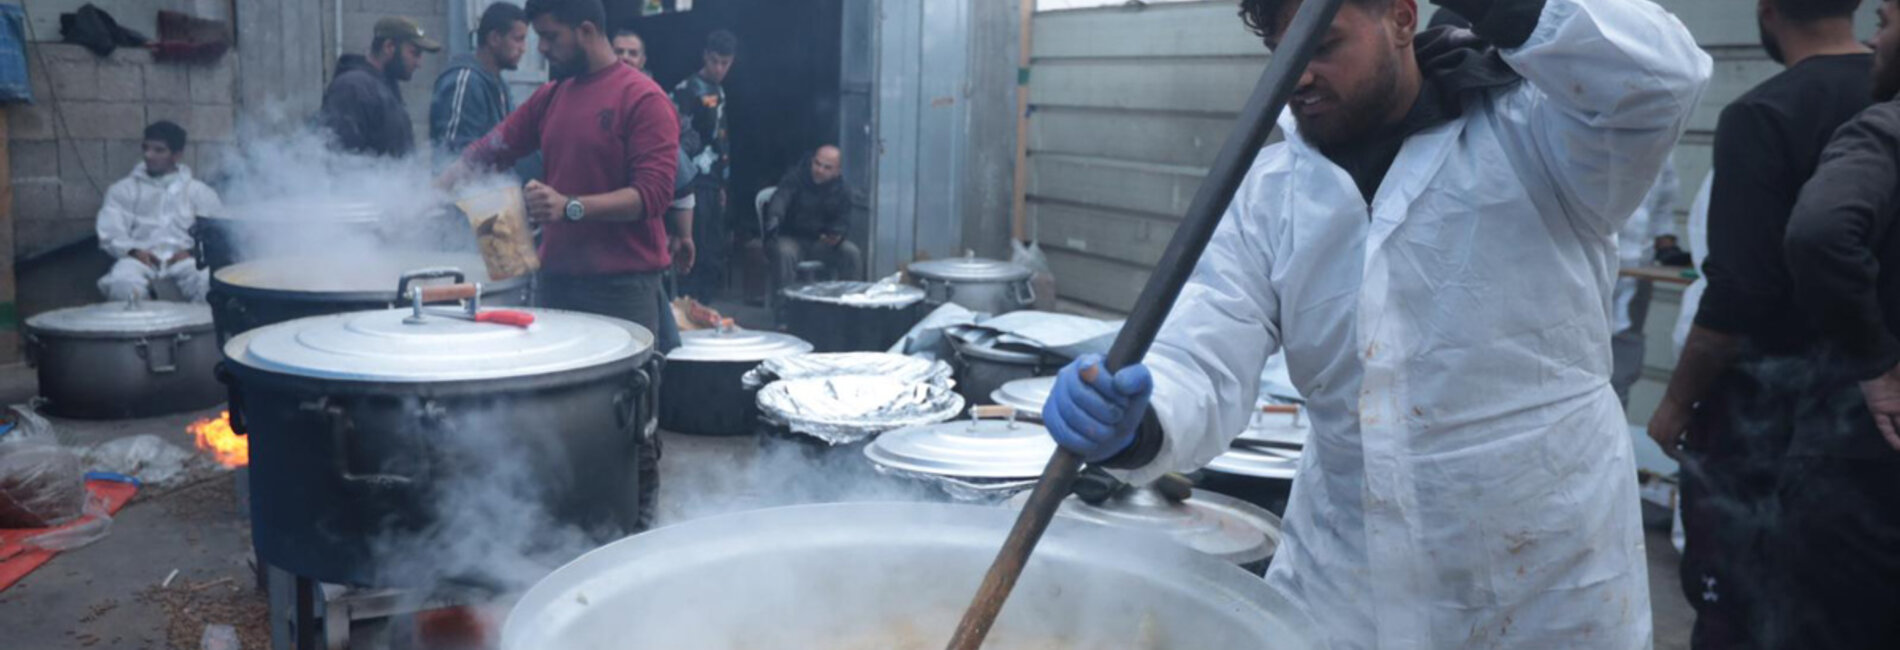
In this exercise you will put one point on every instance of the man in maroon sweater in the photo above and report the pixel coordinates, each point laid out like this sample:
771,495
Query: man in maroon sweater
610,141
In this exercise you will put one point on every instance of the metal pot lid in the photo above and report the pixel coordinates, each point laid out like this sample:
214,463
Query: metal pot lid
858,294
982,449
736,345
984,346
136,317
970,268
1212,523
380,346
1261,461
379,273
1026,395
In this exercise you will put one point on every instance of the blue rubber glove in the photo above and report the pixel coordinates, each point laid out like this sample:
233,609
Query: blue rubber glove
1097,420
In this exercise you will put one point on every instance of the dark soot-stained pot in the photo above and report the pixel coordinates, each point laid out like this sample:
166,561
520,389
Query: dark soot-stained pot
125,359
704,392
362,423
852,316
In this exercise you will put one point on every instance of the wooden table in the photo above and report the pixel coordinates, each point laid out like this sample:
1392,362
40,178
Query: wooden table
1671,274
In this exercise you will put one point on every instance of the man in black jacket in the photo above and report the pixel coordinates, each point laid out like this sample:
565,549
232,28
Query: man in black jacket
363,108
1837,554
811,212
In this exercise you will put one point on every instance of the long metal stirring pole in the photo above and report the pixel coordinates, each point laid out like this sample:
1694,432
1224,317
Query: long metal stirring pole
1255,124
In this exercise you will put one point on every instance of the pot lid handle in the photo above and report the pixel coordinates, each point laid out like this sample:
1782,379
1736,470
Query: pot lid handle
1285,409
993,412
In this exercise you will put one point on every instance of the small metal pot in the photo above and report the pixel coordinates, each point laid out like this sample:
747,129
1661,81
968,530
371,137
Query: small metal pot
125,360
852,316
983,367
982,285
249,295
1217,525
704,392
976,460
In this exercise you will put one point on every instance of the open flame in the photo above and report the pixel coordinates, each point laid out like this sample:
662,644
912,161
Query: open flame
214,436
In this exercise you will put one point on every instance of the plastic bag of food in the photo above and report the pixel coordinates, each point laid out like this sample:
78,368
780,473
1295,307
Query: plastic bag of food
500,221
41,485
20,422
94,527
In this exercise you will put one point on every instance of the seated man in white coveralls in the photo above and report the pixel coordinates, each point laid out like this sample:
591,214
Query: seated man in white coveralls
146,221
1434,246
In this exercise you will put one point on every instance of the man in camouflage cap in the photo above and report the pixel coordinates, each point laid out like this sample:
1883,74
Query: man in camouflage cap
363,108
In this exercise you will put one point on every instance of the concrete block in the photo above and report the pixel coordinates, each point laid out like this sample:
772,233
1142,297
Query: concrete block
211,122
35,199
104,120
83,162
165,82
64,52
73,80
124,155
36,74
132,55
33,159
79,202
29,122
176,112
121,82
212,83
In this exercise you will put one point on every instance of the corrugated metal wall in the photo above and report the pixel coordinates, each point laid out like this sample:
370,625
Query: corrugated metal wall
1129,106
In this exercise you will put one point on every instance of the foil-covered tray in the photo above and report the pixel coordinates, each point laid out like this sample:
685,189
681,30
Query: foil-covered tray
889,293
892,367
849,408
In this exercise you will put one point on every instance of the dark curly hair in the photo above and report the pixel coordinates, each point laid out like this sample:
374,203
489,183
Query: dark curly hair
1803,11
1262,17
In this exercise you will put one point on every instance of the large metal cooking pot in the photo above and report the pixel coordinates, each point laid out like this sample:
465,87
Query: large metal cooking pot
891,576
363,426
977,460
852,316
249,295
984,366
301,228
988,286
704,392
125,359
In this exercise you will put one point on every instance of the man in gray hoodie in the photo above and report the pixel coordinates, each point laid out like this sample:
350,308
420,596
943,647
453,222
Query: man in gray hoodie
470,97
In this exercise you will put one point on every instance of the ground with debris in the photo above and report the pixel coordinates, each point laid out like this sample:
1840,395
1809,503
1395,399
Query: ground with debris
112,595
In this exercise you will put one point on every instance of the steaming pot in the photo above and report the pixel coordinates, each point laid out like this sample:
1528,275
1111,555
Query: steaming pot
986,286
248,295
852,316
125,359
362,423
884,576
704,392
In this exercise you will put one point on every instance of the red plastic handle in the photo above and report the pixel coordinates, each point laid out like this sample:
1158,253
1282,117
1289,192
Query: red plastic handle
506,317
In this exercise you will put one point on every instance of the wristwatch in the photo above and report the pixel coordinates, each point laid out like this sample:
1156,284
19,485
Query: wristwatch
574,210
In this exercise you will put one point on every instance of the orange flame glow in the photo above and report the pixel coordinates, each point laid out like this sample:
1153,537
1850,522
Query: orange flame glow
225,446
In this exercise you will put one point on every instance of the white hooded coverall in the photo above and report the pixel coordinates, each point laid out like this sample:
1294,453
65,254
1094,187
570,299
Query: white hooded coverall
154,215
1469,481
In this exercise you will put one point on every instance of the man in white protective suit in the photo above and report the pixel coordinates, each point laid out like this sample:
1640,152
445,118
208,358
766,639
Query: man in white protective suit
1434,248
145,223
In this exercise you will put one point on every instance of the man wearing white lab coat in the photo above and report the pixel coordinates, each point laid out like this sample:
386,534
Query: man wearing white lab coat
1441,288
1636,246
145,223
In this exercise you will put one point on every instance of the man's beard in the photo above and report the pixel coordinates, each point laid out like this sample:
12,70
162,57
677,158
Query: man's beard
397,70
1353,118
1773,46
574,66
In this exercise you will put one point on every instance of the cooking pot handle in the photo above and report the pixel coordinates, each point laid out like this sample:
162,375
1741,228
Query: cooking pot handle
169,364
234,404
340,430
402,286
197,232
32,349
1025,293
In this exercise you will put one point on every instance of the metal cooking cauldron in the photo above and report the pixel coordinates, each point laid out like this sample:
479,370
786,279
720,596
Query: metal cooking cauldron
884,576
249,295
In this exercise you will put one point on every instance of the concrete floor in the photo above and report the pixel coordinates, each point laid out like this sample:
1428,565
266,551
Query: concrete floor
107,597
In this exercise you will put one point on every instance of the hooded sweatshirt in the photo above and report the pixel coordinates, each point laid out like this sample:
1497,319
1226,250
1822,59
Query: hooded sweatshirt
467,104
364,109
154,214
